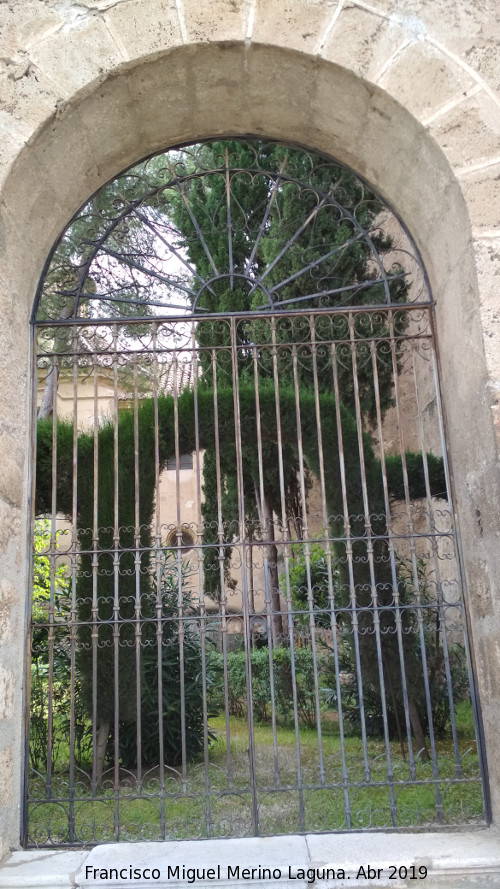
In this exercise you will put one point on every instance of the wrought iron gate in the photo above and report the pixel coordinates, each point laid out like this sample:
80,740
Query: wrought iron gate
247,607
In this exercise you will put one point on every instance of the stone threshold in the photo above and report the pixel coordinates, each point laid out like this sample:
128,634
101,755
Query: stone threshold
455,860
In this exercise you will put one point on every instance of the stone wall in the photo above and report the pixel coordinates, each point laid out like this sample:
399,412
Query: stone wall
405,93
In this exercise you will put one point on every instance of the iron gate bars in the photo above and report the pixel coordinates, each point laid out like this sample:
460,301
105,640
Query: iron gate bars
330,698
248,615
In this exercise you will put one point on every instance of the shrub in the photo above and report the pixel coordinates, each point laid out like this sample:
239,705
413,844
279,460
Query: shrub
52,579
261,684
172,669
409,597
304,680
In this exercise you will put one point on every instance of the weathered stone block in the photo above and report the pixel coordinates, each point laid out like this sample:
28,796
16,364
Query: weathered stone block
7,681
77,54
142,34
461,27
423,79
487,254
469,133
37,200
363,41
385,7
24,24
220,73
26,101
286,107
203,26
6,762
11,470
482,192
298,24
162,90
11,144
483,55
6,592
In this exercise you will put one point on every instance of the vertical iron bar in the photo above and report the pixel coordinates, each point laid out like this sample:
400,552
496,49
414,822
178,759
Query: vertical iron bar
267,597
116,593
137,568
29,549
435,557
287,555
228,218
307,557
371,565
201,588
244,585
350,565
328,557
420,610
392,559
178,561
73,614
222,580
157,567
95,582
52,581
414,564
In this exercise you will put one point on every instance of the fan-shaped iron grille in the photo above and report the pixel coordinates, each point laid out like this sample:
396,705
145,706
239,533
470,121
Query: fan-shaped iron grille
230,227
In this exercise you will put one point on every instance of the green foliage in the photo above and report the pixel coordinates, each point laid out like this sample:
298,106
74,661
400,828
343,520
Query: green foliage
416,476
48,574
261,684
309,578
306,265
124,584
182,683
80,273
209,511
51,594
39,751
309,581
433,621
181,671
285,258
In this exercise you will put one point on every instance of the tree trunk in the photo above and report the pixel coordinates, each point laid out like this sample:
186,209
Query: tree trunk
47,402
100,750
271,557
60,339
418,731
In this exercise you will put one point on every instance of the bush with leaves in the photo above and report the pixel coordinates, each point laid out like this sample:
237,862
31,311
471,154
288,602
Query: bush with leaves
261,684
181,670
124,662
51,592
412,601
48,580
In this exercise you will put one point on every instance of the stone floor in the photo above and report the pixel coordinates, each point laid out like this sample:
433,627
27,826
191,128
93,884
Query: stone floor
453,861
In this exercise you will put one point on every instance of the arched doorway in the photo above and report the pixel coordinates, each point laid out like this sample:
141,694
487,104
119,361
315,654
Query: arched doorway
259,307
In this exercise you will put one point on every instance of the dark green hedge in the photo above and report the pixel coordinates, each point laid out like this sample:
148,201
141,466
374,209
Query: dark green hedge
117,444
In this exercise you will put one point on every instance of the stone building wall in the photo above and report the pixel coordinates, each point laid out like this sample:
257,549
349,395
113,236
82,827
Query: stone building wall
407,94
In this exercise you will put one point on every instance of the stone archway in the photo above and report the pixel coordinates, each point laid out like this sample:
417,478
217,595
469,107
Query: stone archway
197,90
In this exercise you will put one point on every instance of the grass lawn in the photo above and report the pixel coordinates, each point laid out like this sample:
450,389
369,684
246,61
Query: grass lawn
216,799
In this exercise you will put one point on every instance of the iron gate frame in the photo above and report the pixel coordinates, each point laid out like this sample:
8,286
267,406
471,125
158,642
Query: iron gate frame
70,301
290,612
